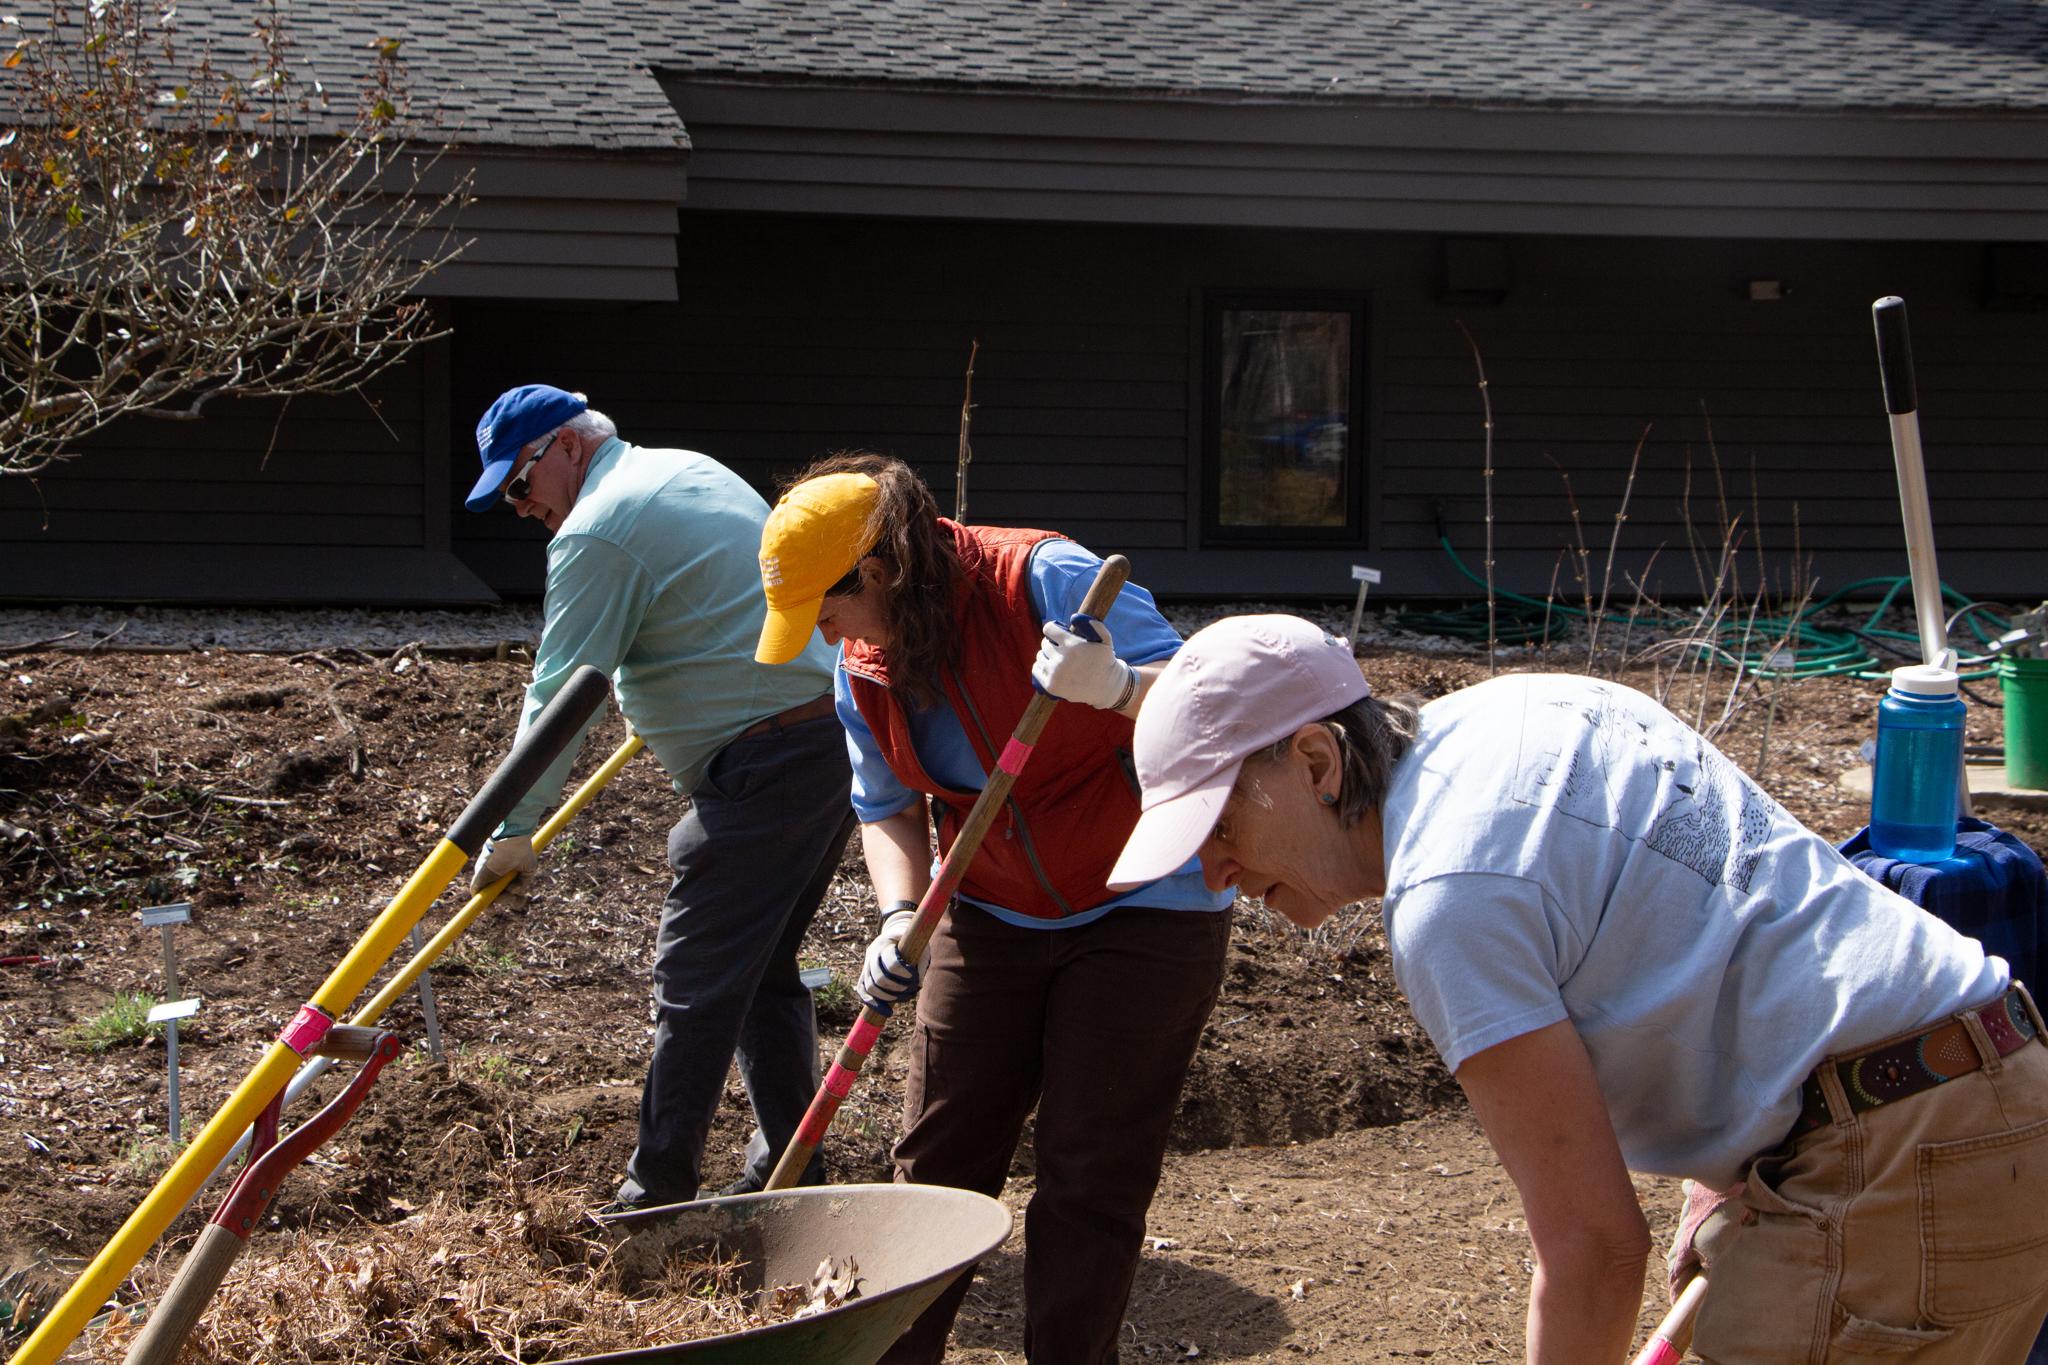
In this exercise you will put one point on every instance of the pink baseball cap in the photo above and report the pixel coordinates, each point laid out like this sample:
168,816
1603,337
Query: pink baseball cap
1236,686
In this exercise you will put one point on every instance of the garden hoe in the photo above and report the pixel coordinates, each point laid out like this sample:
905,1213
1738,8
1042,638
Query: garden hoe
860,1041
558,723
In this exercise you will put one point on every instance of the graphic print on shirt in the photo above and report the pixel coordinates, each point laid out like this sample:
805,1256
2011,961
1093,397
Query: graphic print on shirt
1714,821
1717,827
1571,754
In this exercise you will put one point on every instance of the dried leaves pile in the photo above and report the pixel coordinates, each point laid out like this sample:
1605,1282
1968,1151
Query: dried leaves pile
528,1279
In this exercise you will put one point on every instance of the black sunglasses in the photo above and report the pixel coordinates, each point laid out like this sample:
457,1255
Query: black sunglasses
521,483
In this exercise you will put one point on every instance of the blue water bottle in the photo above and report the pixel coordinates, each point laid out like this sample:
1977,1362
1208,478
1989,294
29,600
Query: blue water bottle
1914,788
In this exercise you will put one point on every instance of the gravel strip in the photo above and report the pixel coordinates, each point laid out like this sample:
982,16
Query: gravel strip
273,631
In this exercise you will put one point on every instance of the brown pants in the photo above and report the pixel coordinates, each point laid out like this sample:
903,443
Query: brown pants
1916,1231
1096,1025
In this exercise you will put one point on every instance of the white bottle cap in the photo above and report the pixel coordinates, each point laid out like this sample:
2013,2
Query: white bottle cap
1924,680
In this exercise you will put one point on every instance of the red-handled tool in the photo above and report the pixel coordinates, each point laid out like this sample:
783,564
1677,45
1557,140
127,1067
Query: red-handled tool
227,1232
1667,1344
860,1040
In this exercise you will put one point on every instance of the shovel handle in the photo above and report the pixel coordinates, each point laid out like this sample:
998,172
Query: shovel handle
860,1040
1667,1344
1894,355
560,721
159,1340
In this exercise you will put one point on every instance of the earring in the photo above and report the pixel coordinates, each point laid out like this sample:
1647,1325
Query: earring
1328,798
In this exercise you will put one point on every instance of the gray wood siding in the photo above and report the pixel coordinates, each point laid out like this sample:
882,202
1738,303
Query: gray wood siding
588,227
349,506
848,149
794,336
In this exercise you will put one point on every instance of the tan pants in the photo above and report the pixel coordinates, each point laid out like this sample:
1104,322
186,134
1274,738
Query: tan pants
1916,1232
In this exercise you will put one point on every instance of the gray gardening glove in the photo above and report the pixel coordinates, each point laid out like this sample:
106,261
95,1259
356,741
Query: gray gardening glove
1684,1260
511,854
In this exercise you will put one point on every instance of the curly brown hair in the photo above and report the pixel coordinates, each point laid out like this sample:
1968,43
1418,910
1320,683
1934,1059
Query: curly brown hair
923,572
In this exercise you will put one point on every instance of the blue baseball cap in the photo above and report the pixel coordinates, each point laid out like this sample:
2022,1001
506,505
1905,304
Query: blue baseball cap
519,417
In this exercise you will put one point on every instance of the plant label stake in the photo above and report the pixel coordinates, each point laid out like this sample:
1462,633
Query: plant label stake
164,918
558,722
860,1040
428,1013
1365,578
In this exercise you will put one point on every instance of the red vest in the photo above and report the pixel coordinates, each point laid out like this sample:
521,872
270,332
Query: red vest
1049,853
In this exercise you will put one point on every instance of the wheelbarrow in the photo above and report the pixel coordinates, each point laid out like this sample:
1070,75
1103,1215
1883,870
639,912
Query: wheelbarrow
909,1241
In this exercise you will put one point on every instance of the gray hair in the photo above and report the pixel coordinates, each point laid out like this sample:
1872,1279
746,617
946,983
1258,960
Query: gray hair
1373,734
590,424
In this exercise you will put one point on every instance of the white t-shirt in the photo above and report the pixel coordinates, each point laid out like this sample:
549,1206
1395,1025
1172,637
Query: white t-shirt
1559,847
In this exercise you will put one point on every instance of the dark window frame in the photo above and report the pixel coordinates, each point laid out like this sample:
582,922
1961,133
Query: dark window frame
1353,533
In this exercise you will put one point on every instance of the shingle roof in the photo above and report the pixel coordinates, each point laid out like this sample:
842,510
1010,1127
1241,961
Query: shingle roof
580,73
1817,54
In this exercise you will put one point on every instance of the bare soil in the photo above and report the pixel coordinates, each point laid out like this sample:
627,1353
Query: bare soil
1327,1194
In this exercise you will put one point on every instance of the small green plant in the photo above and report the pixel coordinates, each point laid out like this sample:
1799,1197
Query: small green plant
146,1158
494,1068
124,1020
835,998
485,959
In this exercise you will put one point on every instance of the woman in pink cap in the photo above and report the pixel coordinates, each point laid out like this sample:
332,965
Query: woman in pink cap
1633,959
1042,986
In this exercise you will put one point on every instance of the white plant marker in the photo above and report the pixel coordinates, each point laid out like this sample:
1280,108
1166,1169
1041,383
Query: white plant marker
1365,578
165,918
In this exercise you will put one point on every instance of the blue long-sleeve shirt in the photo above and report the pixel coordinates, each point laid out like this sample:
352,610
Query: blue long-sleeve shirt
1061,573
655,578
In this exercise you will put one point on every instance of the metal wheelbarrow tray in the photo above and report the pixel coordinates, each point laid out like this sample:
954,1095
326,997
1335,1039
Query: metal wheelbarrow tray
910,1241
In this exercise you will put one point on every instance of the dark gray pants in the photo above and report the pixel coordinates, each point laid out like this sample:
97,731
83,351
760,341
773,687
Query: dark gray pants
752,858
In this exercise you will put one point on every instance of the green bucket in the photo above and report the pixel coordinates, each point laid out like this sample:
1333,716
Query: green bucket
2026,721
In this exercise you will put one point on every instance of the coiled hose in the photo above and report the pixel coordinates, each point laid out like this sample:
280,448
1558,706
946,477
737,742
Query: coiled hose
1777,646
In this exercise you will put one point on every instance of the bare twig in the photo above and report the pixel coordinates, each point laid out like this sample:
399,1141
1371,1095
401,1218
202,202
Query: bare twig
966,452
34,645
1486,412
1614,542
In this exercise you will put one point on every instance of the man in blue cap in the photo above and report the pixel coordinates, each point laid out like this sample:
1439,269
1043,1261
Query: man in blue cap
654,576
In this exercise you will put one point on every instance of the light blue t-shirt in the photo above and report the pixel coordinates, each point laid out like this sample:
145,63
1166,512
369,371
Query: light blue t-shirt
1564,848
655,578
1061,573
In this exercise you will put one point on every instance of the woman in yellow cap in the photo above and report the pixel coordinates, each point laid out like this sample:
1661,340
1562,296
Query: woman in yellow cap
1042,986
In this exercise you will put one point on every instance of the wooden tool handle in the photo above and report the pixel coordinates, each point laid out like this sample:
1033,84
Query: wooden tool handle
860,1040
1667,1344
205,1266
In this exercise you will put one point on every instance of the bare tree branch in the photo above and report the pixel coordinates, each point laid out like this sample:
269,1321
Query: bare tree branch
174,231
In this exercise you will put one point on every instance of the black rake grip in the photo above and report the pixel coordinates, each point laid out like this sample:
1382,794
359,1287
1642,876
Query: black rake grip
560,721
1894,355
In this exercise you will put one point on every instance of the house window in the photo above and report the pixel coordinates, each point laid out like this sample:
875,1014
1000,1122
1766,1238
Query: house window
1283,460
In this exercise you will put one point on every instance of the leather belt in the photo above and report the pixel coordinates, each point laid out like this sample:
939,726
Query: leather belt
813,709
1892,1071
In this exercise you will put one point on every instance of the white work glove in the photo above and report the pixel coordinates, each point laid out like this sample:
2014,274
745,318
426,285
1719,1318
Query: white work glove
886,979
513,854
1080,664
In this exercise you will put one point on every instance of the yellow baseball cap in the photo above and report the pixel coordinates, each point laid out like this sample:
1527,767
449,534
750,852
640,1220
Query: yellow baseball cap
819,531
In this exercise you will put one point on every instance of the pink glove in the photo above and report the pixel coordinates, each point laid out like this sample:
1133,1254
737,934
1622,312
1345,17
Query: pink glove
1684,1261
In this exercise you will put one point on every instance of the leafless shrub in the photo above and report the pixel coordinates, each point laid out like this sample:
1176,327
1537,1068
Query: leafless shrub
176,228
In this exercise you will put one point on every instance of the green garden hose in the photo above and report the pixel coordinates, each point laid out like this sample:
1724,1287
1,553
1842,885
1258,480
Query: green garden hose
1816,650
